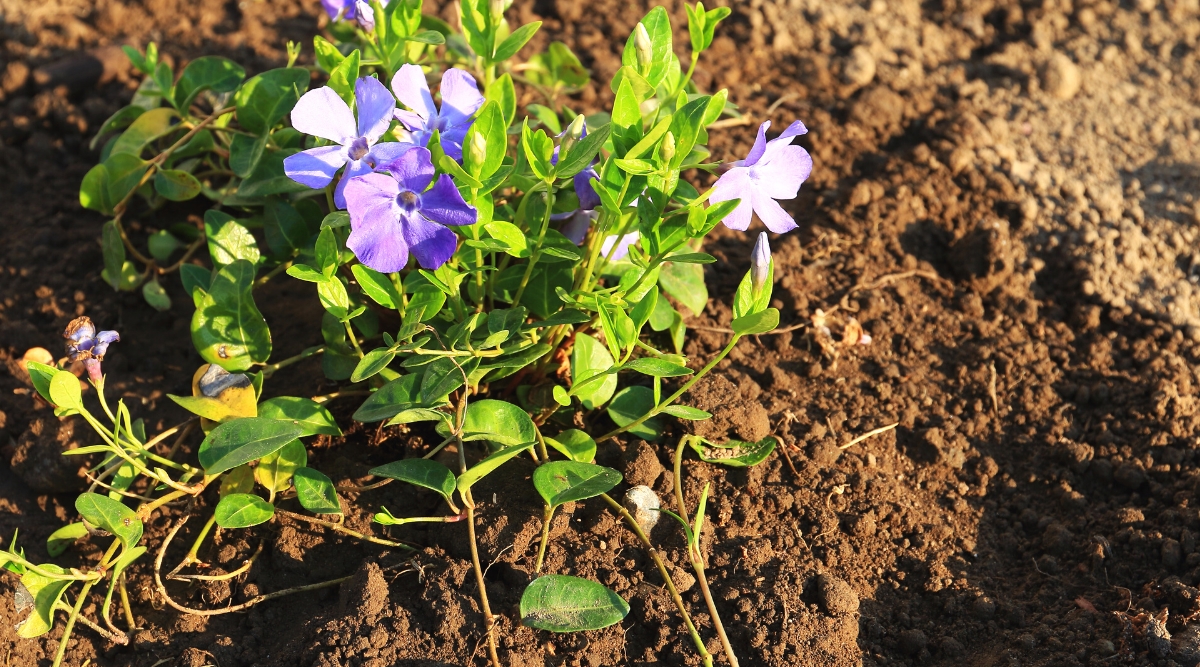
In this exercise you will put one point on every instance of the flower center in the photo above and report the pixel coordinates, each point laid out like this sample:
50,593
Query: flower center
408,200
439,124
359,149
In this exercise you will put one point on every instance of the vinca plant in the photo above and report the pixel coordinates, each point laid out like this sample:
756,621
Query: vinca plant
539,266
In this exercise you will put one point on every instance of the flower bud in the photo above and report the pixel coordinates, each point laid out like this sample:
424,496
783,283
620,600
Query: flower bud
666,149
478,148
574,133
643,504
760,263
643,47
496,9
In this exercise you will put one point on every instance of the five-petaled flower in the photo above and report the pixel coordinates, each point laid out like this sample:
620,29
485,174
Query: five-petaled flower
460,100
84,344
323,114
352,10
773,170
392,215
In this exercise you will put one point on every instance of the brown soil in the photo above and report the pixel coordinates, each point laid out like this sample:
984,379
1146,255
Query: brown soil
1003,198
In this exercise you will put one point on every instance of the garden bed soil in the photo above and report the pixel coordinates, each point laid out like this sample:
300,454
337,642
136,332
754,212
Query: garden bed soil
1003,200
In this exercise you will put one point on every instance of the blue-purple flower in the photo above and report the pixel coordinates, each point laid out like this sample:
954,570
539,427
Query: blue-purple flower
323,114
393,215
351,10
760,262
460,100
773,170
84,344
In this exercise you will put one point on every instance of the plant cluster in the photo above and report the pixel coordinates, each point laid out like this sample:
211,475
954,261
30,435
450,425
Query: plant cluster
538,266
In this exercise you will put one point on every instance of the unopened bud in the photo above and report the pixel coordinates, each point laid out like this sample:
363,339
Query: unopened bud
643,47
667,149
573,134
760,263
478,148
496,9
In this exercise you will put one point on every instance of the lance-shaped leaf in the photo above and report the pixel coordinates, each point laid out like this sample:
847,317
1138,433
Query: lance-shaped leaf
420,472
561,603
561,482
390,400
242,510
111,515
233,443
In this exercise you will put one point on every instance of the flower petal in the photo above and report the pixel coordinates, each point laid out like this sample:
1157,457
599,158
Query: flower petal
772,214
795,129
315,167
411,89
375,235
452,139
760,145
460,97
623,245
431,243
387,152
413,170
781,171
412,121
588,199
376,107
322,113
365,15
354,168
103,340
576,228
734,184
443,204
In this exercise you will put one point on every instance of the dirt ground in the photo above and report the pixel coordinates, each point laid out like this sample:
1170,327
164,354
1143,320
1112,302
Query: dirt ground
1004,198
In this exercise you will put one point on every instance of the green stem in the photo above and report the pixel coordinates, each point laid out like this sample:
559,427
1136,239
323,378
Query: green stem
62,643
268,371
548,199
353,339
342,529
547,515
674,397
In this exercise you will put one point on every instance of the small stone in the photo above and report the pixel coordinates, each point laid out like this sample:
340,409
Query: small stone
1104,648
836,596
1158,639
1187,646
642,503
859,68
1056,538
913,641
952,648
983,608
1061,77
1129,476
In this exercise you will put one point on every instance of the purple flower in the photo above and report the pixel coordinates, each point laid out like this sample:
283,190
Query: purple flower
588,199
83,343
623,244
322,113
460,100
350,10
393,215
760,262
577,224
773,170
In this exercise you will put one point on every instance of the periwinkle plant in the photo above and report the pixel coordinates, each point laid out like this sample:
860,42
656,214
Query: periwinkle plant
540,268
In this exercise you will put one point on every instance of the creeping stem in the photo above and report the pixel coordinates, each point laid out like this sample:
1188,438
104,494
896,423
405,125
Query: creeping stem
662,570
535,254
75,612
547,515
697,558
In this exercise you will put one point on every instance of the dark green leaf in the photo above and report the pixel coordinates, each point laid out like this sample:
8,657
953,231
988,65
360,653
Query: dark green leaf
227,328
156,296
390,399
117,121
265,99
374,361
215,73
111,515
561,482
176,185
245,152
162,244
148,127
194,277
242,510
488,465
240,441
656,367
631,404
561,603
421,472
316,492
113,249
269,177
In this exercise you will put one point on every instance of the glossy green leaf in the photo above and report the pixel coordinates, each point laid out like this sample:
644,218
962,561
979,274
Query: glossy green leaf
503,93
588,358
631,404
41,375
228,239
215,73
112,516
582,154
148,127
488,465
685,282
376,285
46,593
240,441
119,120
269,177
245,152
561,482
390,399
656,367
575,445
562,603
658,26
227,328
64,391
513,43
498,421
316,492
372,363
760,322
62,539
194,277
734,453
265,99
274,471
242,510
343,76
310,415
420,472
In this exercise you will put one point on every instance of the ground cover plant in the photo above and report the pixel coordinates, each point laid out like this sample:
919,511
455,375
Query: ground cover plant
536,267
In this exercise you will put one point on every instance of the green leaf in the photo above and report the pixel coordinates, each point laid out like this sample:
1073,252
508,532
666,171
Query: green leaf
41,375
286,229
587,359
692,258
274,471
269,177
156,296
390,399
686,412
334,297
498,421
265,99
630,405
245,152
635,167
510,234
343,76
711,18
316,492
376,285
111,515
432,37
760,322
420,472
326,250
310,415
426,302
148,127
228,239
443,376
562,603
46,593
658,26
372,363
502,92
113,249
488,465
215,73
513,43
575,445
582,153
62,539
194,277
162,244
685,282
242,510
64,391
734,453
117,121
238,480
328,55
490,126
227,328
561,482
240,441
656,367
